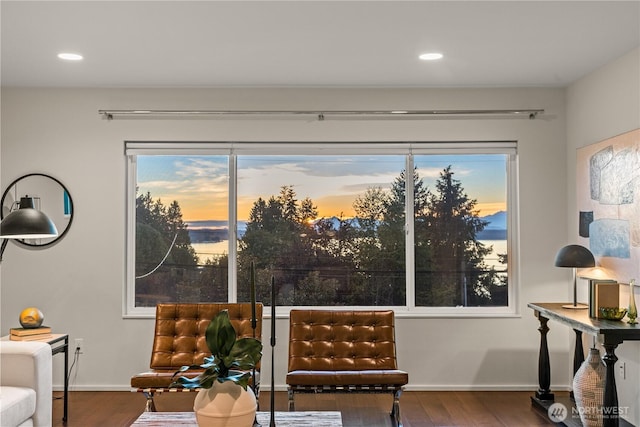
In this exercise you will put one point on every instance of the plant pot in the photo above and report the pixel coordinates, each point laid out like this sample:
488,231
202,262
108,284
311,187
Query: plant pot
225,405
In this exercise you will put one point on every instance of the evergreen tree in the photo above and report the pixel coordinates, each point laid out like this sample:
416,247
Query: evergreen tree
283,239
392,232
167,227
361,260
370,209
457,274
161,232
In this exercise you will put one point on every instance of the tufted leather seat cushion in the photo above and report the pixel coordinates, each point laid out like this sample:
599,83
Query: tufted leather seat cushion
179,338
371,377
343,348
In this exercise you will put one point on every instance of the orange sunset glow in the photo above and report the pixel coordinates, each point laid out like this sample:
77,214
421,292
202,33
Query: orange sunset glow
200,183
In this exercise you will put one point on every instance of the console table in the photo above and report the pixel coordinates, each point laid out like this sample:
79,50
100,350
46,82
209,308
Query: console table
610,333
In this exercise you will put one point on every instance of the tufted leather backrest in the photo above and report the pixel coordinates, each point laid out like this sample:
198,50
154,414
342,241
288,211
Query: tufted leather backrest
179,338
329,340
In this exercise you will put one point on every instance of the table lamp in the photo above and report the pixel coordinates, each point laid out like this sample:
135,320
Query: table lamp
596,273
575,256
27,222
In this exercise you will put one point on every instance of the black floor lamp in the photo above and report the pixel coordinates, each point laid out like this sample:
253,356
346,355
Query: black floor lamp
575,256
272,422
254,324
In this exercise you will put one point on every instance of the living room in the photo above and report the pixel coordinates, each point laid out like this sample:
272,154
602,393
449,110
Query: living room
54,127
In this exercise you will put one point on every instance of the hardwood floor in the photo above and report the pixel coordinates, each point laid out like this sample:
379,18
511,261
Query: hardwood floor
418,408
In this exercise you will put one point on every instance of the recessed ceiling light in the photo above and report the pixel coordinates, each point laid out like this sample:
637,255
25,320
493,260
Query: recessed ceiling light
70,56
430,56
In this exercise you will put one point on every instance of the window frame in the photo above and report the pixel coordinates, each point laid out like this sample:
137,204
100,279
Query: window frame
407,149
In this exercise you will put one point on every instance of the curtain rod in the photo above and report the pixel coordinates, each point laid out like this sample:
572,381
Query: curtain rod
320,115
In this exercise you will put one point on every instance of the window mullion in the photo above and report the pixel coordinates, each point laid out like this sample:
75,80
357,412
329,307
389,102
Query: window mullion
129,291
233,228
409,234
513,232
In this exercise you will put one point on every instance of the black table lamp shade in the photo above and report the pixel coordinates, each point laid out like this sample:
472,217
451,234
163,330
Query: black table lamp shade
575,256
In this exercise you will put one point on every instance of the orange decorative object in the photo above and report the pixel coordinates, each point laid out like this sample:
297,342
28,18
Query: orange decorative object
31,317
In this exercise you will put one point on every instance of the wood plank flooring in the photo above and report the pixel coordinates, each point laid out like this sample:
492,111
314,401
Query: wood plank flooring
418,408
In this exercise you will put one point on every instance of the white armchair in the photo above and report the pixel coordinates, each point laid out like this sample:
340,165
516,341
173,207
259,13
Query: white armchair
25,384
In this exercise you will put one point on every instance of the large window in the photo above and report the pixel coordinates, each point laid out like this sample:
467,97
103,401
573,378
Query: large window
330,223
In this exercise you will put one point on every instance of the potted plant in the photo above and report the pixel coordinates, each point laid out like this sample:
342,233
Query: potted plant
224,398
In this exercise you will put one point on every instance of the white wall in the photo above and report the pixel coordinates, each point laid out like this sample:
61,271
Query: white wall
604,104
78,283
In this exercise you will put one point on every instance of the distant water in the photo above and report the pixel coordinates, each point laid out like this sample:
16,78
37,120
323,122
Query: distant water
215,236
499,247
212,250
492,234
214,224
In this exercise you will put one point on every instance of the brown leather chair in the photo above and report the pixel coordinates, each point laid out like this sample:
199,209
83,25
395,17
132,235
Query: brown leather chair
179,340
344,351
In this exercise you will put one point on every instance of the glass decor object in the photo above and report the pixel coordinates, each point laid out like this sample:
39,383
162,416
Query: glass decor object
632,312
612,313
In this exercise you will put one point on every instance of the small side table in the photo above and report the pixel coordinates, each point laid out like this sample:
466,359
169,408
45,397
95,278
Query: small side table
59,344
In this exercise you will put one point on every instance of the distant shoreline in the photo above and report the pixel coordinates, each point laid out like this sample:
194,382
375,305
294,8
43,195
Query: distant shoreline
214,235
492,235
214,231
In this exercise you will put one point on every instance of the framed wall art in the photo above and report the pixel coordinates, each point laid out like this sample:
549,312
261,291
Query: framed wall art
608,200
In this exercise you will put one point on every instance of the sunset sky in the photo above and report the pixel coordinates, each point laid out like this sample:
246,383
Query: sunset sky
199,183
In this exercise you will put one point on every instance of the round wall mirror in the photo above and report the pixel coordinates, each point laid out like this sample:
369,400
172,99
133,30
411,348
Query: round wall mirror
50,196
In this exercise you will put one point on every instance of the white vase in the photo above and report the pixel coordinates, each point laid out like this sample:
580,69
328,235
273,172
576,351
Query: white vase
225,405
588,389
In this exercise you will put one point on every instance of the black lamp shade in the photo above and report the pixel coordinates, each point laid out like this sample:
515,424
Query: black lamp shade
27,223
575,256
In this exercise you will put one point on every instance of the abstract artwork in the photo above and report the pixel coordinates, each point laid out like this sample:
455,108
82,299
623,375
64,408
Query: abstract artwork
608,186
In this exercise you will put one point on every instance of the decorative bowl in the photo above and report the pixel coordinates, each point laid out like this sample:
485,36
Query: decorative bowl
612,313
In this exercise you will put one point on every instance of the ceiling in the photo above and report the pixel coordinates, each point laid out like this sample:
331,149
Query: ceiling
312,43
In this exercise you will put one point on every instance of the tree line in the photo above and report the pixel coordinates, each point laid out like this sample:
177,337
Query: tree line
357,261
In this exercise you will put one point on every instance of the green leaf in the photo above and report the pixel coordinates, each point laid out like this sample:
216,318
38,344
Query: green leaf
209,363
220,335
231,359
246,353
189,383
208,382
240,378
186,368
